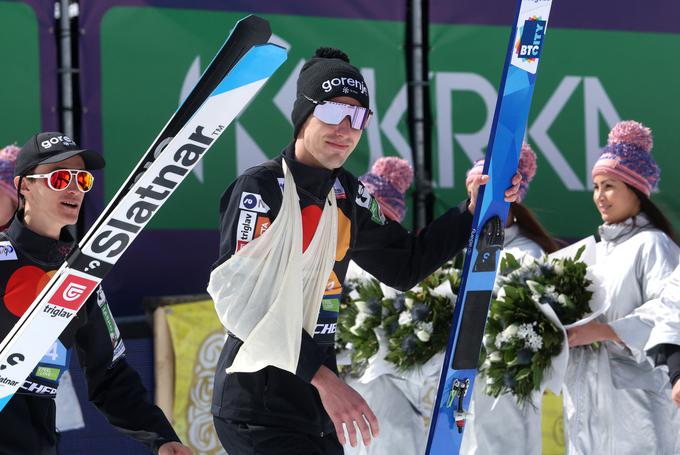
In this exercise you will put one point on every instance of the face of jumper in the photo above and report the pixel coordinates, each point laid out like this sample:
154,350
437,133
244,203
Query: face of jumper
615,201
46,211
324,145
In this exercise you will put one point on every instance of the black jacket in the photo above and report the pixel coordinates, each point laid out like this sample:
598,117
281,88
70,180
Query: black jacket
380,246
28,420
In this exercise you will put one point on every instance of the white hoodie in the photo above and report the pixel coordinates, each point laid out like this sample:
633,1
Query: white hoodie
616,401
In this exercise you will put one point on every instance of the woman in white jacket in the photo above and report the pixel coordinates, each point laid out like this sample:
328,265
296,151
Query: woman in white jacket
507,427
616,401
403,401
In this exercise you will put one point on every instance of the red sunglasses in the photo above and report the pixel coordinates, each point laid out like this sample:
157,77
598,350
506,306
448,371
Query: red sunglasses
60,179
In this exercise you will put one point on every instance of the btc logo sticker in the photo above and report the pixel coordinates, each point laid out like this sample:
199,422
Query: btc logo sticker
531,41
72,292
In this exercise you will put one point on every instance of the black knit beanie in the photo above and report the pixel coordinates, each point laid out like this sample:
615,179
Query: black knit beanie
327,75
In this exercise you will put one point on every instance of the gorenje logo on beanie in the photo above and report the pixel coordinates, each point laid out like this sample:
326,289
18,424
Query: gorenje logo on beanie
345,82
65,140
327,75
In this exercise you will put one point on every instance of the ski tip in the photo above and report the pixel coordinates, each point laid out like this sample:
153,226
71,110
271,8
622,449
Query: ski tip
253,22
259,63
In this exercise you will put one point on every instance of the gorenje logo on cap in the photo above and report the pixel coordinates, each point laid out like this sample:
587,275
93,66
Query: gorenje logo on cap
65,140
344,82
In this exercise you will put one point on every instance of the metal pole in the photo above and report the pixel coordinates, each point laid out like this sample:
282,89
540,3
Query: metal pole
64,9
418,110
66,69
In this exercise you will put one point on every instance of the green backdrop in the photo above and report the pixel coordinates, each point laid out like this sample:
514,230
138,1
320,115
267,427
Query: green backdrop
588,81
19,74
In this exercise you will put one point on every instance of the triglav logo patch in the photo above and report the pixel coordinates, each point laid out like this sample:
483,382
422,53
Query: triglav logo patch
73,292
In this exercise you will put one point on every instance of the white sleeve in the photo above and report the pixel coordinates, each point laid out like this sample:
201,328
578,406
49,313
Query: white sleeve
653,264
666,327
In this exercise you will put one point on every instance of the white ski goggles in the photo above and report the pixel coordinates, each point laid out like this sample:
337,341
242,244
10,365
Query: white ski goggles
60,179
333,113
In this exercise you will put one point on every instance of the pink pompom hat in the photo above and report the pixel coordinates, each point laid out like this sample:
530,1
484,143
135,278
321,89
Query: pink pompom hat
628,157
527,169
388,181
8,156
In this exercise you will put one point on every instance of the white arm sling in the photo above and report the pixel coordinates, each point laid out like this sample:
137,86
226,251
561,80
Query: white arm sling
269,290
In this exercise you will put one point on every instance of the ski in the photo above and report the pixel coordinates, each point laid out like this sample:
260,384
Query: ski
488,225
239,70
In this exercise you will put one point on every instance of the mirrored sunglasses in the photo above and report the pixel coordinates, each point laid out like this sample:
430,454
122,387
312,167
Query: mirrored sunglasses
334,113
60,179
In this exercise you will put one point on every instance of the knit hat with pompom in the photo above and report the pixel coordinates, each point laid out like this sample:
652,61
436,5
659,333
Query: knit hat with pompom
527,169
628,157
325,76
8,157
388,181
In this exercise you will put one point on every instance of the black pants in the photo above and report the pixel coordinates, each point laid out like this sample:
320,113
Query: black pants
245,439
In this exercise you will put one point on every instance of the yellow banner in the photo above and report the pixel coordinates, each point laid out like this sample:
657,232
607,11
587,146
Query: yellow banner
552,425
197,339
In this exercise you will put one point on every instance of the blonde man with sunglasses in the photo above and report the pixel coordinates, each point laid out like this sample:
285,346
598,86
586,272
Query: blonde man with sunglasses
52,175
260,405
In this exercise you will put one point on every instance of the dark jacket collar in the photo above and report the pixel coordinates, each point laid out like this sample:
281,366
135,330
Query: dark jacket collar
37,246
316,182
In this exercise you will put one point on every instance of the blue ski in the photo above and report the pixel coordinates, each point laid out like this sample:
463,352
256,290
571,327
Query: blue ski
236,74
486,239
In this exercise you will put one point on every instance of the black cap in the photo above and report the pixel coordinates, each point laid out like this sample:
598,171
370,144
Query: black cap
327,75
52,147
